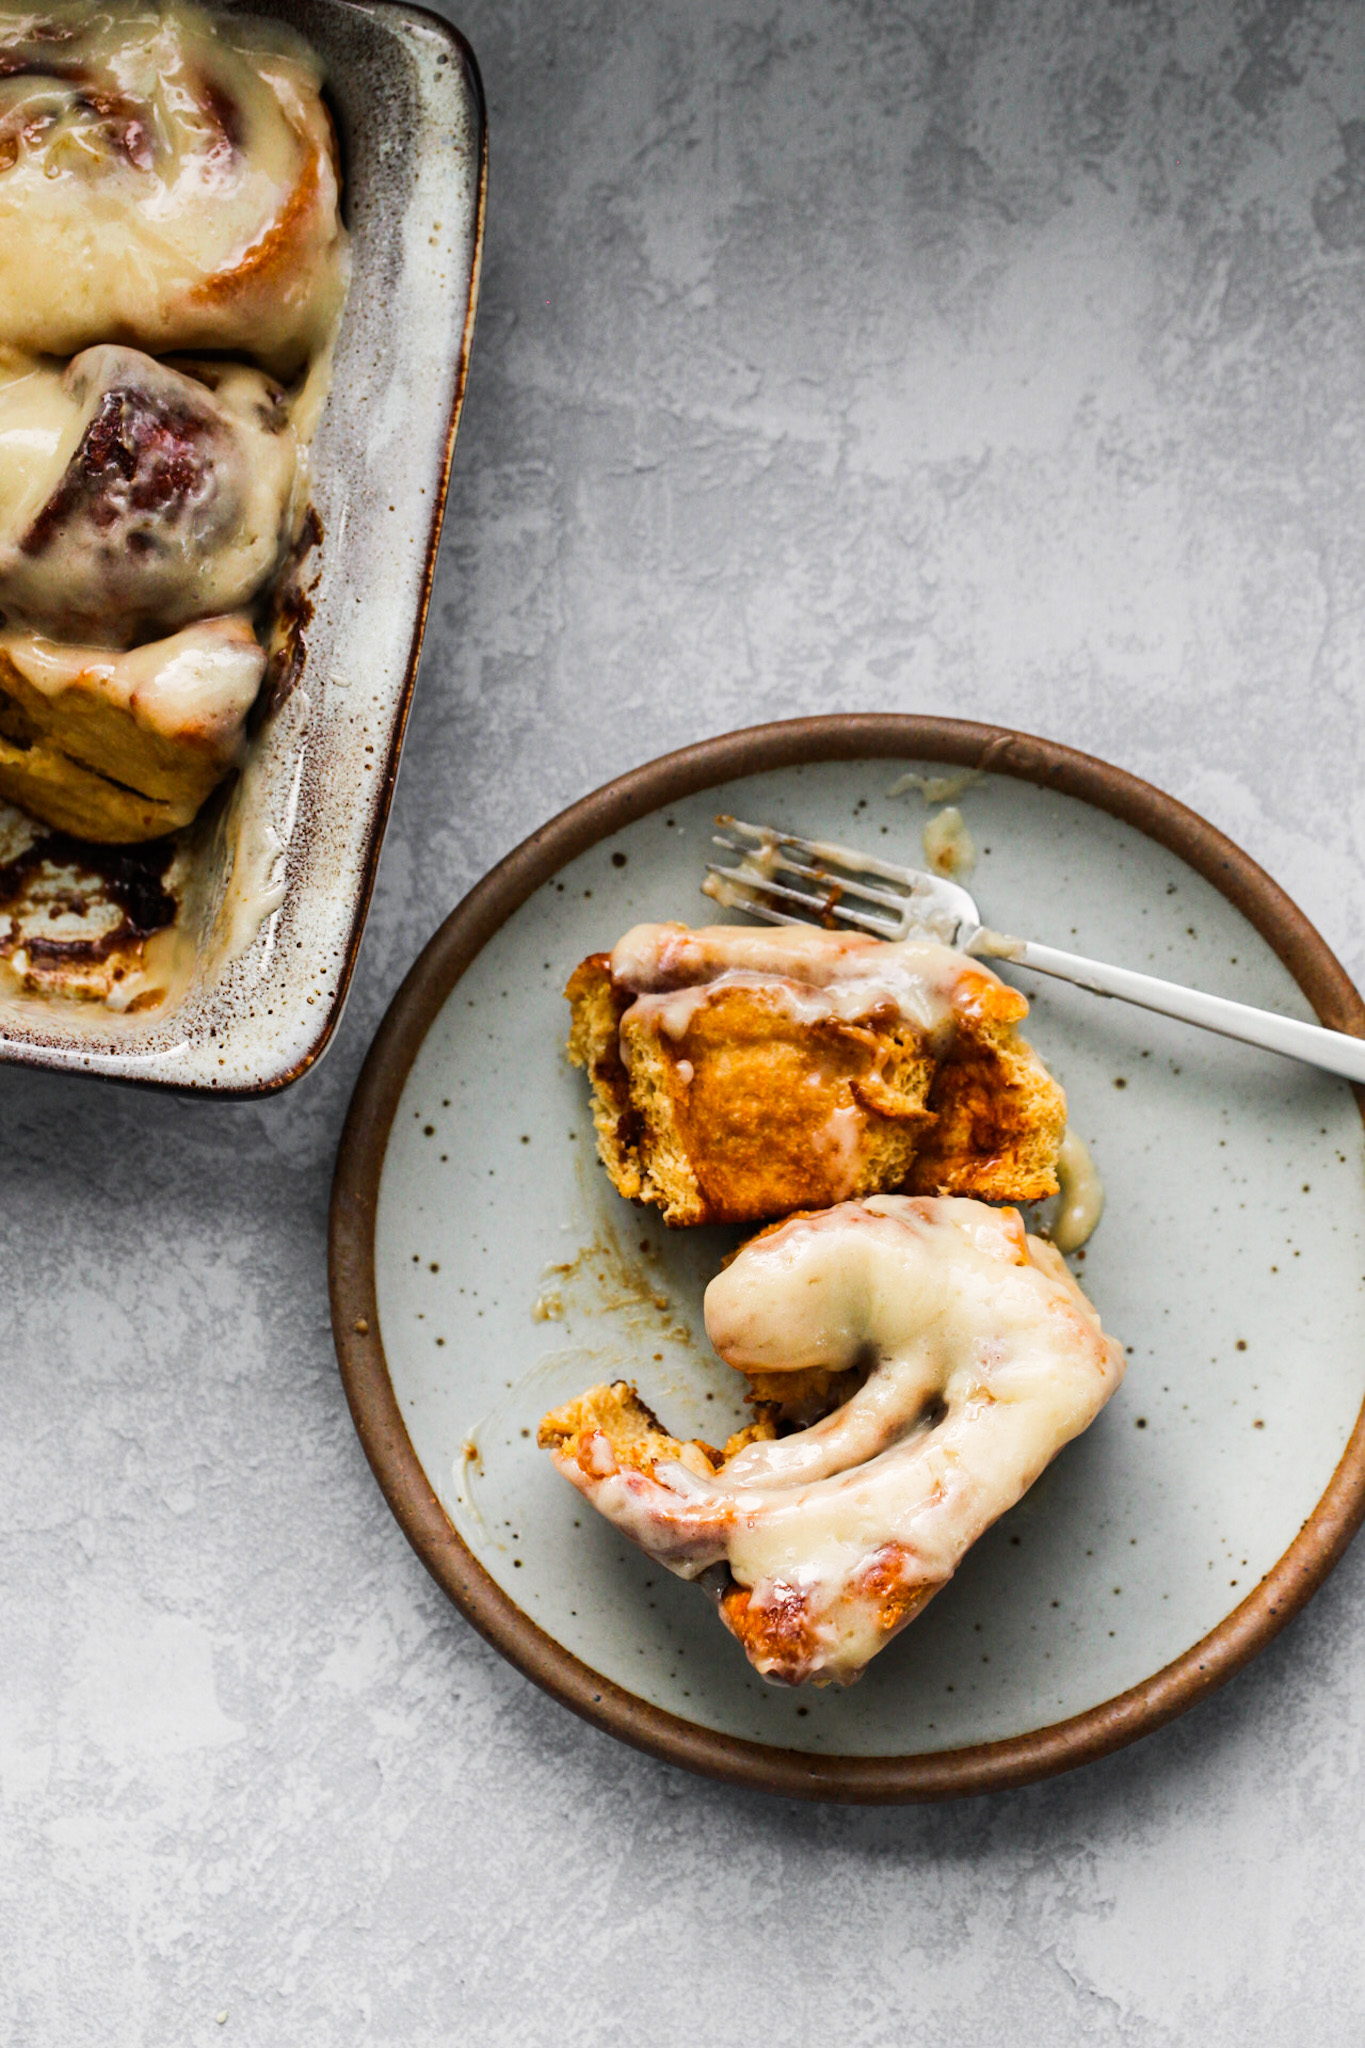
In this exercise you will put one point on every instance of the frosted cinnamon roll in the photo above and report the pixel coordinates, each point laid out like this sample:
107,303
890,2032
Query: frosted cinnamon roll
167,178
124,747
740,1073
135,497
974,1358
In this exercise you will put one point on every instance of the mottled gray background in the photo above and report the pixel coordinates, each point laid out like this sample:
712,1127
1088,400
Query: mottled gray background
997,360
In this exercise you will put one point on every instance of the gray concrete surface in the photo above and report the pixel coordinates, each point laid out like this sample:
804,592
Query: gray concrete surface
1003,361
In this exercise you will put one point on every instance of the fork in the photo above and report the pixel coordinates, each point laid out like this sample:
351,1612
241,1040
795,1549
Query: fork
840,888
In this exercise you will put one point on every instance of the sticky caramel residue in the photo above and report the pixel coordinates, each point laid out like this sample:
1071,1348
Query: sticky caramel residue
76,918
607,1277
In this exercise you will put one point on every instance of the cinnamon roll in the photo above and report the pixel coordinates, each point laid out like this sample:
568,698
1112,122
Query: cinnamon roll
124,747
135,497
739,1074
167,179
973,1357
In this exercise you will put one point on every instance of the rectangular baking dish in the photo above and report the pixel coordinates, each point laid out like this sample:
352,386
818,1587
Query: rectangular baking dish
282,870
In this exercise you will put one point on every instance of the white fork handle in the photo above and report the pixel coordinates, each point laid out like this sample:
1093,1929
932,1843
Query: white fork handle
1335,1050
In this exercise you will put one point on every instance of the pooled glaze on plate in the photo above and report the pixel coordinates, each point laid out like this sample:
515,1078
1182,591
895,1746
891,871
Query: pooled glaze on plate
1080,1200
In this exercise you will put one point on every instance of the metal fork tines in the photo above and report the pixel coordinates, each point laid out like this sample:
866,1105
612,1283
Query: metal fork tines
823,884
828,886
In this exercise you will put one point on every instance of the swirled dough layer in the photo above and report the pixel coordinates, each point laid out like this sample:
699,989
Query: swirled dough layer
979,1358
167,178
135,497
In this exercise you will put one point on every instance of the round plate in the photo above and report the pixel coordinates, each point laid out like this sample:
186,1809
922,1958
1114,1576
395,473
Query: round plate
483,1270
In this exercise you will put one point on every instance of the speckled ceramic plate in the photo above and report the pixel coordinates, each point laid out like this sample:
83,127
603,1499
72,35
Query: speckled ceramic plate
483,1270
280,879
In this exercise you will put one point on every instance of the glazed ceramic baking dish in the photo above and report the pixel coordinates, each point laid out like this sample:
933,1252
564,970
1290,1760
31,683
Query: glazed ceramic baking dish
281,868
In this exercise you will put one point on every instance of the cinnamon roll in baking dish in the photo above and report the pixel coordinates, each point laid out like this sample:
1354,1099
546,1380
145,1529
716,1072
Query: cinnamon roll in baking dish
171,250
124,747
135,497
168,179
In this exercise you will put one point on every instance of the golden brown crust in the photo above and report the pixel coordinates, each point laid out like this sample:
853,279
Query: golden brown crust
999,1120
751,1112
61,793
637,1437
780,1636
270,268
757,1124
594,1043
893,1579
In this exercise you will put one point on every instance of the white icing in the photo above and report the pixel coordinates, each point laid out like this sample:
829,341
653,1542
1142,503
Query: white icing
209,513
602,1463
739,890
35,430
838,1146
672,1012
256,889
166,178
810,975
989,1360
162,971
199,684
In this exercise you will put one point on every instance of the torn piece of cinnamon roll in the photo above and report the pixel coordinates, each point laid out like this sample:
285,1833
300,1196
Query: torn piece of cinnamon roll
167,178
135,497
119,748
975,1358
740,1073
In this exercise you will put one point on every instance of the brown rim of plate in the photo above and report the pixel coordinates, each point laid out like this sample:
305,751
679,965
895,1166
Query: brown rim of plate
982,1767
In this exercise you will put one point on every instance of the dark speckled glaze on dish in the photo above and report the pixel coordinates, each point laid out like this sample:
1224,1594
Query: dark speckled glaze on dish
309,810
